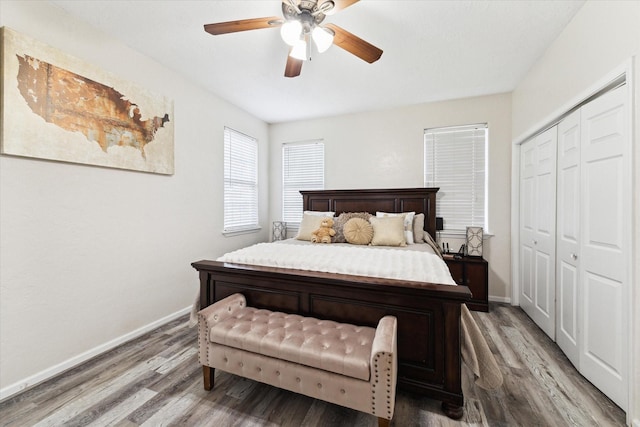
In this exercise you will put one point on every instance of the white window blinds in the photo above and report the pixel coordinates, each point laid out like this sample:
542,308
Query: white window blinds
240,181
455,160
302,169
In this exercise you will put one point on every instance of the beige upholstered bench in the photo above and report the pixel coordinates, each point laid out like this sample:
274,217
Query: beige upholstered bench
352,366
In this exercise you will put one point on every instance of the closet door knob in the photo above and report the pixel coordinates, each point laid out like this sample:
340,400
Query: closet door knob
574,256
535,242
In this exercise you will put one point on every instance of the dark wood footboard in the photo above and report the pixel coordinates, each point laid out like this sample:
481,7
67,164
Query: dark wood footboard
429,359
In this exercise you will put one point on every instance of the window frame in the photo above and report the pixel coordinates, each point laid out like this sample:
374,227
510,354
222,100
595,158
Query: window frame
458,222
248,219
291,194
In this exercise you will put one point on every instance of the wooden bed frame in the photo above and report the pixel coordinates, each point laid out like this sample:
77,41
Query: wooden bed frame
429,359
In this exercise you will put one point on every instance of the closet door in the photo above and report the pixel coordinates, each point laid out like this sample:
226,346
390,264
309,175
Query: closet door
606,218
537,229
527,224
568,238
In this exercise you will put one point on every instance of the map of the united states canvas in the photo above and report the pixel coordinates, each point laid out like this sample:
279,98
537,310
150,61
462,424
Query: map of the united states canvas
60,108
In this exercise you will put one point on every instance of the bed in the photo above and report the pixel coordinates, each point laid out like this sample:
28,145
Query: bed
429,325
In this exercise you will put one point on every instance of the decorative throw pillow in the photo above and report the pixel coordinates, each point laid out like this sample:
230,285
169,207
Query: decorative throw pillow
418,228
342,220
358,231
388,231
407,221
309,224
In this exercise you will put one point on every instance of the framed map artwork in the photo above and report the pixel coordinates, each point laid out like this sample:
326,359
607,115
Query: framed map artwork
58,107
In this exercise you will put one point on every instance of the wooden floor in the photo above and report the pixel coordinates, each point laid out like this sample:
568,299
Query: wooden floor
156,380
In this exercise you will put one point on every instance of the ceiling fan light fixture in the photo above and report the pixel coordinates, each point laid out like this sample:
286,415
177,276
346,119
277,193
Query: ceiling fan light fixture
302,23
323,38
299,50
291,31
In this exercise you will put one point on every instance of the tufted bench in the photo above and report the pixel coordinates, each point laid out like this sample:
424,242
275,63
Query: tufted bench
352,366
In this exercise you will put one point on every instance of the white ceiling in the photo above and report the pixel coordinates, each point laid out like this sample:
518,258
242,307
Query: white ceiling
433,50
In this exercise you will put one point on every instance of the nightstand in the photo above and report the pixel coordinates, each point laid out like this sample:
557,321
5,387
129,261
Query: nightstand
474,273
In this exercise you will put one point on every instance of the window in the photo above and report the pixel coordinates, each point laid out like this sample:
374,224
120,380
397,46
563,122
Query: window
240,182
302,169
455,159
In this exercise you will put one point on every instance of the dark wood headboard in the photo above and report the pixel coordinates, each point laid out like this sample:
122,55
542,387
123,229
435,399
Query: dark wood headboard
418,200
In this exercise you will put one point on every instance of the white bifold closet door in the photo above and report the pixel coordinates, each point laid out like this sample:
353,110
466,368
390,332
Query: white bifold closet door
593,241
568,238
605,233
538,229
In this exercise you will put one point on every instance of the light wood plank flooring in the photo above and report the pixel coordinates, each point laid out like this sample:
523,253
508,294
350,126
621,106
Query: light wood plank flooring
156,380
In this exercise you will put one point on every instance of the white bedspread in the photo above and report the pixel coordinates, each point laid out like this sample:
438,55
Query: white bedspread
384,262
414,262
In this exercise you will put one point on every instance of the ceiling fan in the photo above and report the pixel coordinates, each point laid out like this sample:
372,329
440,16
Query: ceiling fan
301,24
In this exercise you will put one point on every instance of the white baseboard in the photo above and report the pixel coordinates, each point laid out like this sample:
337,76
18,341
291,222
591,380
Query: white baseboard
48,373
500,299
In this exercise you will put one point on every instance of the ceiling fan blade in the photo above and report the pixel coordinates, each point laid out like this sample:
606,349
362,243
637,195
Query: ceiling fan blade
293,67
354,44
243,25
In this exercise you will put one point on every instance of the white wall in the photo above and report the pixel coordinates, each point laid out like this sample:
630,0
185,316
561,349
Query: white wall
91,256
601,37
384,149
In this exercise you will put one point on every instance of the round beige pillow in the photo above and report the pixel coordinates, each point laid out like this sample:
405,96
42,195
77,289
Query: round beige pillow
358,231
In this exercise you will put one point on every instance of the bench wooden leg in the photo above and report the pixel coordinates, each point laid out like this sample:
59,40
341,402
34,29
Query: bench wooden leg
207,374
383,422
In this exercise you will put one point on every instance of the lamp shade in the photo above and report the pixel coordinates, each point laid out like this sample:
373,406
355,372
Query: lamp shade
279,230
291,31
474,241
323,38
299,50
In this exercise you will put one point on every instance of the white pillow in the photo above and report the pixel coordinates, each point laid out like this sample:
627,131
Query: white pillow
309,224
407,221
388,231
